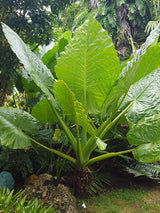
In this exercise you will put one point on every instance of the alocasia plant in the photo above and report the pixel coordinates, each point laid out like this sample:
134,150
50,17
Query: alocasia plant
88,83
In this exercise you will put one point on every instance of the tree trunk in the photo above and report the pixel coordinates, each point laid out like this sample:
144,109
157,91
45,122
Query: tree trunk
94,4
3,93
122,42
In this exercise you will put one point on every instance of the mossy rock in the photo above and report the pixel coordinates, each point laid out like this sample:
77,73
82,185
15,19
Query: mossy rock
6,180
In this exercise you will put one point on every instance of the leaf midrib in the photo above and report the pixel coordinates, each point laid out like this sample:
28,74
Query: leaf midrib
85,76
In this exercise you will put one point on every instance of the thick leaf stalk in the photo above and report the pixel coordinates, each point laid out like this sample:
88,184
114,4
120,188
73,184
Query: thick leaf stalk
67,157
105,156
103,129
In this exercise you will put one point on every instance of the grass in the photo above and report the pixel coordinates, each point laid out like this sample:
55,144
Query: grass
135,199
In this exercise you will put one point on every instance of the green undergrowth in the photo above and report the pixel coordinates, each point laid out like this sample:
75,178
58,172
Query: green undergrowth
135,199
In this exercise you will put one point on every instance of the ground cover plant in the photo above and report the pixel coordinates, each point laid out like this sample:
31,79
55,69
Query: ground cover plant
14,202
130,200
90,81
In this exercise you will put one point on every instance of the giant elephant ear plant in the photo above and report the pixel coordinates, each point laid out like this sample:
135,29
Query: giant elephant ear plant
88,83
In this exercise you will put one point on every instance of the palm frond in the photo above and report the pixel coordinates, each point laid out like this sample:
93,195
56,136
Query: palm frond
97,183
152,25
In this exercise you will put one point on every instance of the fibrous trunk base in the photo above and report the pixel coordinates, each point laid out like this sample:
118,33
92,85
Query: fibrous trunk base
81,181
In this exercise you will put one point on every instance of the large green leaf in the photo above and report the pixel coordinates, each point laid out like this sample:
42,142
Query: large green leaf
27,84
71,106
50,57
146,96
64,40
43,112
131,71
12,124
146,134
147,153
89,65
151,40
146,64
147,130
34,66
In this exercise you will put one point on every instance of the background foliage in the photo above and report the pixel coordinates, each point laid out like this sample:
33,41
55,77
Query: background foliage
33,23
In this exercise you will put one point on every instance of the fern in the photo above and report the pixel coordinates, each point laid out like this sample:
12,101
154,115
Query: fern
154,7
152,25
151,171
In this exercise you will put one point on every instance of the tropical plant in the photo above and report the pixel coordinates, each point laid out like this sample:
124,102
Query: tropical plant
149,170
10,202
68,15
89,82
154,7
124,20
87,9
23,163
58,6
128,13
34,23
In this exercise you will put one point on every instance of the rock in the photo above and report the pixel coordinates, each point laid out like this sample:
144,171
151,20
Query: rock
6,180
63,198
44,192
31,179
71,209
50,194
42,179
